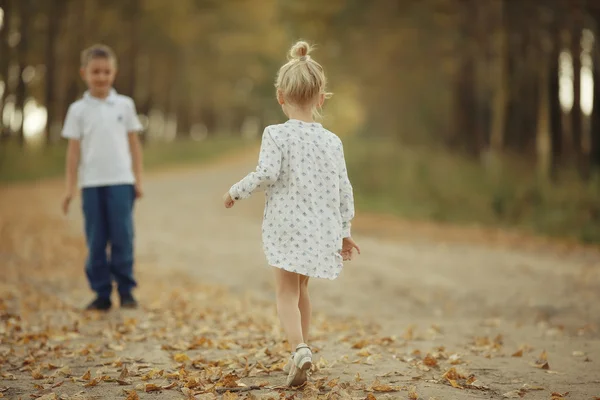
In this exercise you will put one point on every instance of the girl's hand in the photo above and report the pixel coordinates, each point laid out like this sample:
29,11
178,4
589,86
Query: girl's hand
348,246
229,202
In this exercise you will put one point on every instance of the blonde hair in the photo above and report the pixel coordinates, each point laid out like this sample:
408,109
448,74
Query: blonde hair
301,80
97,51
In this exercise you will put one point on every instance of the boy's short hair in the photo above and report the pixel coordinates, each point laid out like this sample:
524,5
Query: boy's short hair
97,51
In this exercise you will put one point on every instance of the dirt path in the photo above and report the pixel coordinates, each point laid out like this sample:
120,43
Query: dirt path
404,313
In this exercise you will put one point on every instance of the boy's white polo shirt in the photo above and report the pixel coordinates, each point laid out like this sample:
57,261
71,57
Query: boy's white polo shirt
102,127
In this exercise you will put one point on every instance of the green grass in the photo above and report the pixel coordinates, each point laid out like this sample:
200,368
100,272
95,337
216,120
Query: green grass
418,184
428,184
34,163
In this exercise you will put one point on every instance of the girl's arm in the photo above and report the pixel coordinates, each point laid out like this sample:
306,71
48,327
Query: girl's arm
267,171
346,197
73,155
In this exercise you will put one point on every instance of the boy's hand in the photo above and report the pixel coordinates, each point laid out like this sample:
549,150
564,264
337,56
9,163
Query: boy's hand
139,192
66,202
228,201
348,246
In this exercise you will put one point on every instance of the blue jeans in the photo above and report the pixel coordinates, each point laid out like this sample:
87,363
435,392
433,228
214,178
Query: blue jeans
108,213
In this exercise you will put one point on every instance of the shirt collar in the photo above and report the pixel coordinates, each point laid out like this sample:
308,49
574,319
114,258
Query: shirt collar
110,99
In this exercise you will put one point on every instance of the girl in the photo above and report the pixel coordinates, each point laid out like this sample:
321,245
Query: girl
309,201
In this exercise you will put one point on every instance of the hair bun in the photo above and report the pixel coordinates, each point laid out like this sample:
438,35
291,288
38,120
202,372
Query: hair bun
300,49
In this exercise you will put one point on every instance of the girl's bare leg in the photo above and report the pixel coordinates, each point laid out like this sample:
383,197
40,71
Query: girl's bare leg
288,298
305,306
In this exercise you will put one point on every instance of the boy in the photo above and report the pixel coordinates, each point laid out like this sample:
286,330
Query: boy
105,156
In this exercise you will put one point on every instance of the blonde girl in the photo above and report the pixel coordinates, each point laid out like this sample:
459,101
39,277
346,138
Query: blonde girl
309,201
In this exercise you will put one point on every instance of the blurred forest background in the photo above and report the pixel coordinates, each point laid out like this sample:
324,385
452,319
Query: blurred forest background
461,111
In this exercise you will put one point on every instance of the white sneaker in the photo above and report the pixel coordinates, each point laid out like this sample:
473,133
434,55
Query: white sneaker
302,362
288,365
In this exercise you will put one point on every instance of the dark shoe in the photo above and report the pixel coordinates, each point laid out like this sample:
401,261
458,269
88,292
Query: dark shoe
99,304
127,301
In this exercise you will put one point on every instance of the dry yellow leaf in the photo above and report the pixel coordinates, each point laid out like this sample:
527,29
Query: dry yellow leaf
518,353
430,361
93,382
132,395
170,386
364,353
151,387
124,373
181,358
360,344
87,376
412,393
543,357
37,374
230,396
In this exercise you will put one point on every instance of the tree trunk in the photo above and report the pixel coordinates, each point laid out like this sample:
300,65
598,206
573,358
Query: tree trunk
543,139
56,10
576,117
134,46
556,123
595,152
5,59
501,84
595,145
21,90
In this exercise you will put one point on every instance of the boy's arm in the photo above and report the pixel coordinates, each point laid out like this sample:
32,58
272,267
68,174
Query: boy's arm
134,128
73,155
137,159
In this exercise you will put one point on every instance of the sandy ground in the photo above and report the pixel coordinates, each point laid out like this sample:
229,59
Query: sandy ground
419,301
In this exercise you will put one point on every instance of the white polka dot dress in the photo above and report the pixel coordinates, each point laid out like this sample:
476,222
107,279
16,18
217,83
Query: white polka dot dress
309,201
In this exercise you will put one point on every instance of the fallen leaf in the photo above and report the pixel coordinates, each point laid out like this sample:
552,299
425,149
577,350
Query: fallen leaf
544,366
453,383
578,354
87,376
50,396
37,374
124,373
332,383
364,353
360,344
93,382
409,334
230,380
230,396
455,359
543,357
430,361
151,387
527,386
514,394
170,386
412,393
370,397
518,353
377,386
132,395
181,358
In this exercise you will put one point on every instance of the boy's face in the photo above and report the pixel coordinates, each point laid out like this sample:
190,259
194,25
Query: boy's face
99,75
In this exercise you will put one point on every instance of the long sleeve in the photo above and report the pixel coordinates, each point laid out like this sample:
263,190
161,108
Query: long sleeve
267,171
346,198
